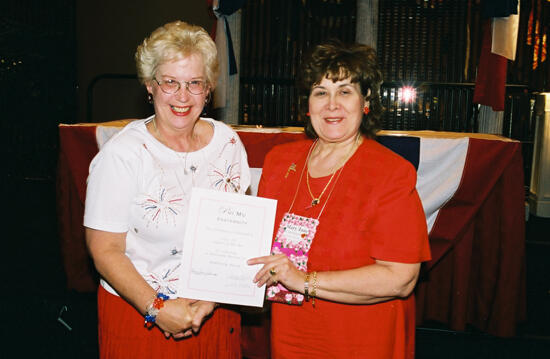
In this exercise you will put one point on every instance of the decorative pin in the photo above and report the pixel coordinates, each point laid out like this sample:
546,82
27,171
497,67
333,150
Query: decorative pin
291,168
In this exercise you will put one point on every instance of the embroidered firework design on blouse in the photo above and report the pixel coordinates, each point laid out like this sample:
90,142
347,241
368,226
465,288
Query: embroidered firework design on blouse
164,206
232,141
166,282
227,179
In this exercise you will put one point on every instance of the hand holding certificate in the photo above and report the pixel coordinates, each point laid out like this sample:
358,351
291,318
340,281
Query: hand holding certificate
223,231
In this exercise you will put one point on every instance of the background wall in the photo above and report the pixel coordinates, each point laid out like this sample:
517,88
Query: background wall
50,52
107,35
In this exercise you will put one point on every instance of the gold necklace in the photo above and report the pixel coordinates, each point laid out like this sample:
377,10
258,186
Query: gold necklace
183,162
316,200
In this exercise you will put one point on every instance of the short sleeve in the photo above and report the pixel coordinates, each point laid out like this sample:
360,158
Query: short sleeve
398,228
111,187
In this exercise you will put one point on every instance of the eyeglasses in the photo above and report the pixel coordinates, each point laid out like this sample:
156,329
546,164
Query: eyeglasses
196,87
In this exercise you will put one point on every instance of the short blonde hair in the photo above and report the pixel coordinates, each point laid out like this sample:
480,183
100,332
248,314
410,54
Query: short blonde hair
174,41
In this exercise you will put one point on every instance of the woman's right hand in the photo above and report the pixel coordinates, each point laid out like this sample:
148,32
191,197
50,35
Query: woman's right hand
278,268
175,317
108,252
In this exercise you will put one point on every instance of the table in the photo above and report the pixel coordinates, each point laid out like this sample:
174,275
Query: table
477,237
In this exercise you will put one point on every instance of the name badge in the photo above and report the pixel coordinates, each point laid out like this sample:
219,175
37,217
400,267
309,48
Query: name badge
294,238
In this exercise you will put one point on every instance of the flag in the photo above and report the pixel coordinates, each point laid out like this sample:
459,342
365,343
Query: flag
490,84
224,44
505,35
499,42
472,191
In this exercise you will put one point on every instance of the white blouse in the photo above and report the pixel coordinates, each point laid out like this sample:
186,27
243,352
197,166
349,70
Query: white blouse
139,186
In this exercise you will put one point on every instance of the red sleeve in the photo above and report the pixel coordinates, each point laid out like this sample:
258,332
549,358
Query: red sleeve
398,227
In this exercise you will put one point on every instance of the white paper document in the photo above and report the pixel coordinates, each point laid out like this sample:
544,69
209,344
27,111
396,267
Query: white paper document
223,231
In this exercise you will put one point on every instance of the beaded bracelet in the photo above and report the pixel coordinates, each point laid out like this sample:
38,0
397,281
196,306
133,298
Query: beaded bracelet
306,287
154,308
314,290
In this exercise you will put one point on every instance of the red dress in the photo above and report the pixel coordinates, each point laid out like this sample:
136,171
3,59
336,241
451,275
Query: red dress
373,212
122,334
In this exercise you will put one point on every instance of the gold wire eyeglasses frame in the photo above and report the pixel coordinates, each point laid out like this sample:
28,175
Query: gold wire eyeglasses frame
195,87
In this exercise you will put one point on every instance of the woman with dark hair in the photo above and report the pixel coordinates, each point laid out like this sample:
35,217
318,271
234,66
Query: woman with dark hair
346,256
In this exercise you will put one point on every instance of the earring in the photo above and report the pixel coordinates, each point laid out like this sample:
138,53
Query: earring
206,101
149,98
308,114
366,110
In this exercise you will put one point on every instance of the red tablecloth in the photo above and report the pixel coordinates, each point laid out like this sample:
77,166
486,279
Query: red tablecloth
476,276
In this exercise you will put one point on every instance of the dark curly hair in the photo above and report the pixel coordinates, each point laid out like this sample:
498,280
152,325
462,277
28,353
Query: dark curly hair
337,61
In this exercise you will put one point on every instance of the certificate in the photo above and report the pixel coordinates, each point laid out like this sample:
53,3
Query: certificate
223,231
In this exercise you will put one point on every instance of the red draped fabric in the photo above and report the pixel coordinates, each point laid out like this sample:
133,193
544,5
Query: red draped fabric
77,147
476,276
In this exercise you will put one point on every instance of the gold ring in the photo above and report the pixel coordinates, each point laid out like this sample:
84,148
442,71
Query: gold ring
272,271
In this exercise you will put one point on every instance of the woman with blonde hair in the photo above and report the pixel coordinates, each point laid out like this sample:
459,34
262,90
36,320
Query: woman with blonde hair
137,202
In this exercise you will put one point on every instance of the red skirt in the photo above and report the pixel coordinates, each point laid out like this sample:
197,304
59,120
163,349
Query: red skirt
122,334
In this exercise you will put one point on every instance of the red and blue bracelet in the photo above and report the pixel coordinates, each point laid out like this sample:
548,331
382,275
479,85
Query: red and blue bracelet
154,308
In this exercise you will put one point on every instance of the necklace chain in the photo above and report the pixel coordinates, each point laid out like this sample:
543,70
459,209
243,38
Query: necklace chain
194,136
157,130
183,162
316,200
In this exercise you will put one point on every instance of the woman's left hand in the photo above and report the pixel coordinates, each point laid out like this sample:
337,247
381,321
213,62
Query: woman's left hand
278,268
201,310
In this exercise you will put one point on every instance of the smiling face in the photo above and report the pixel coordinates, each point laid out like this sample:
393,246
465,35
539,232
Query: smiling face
181,109
336,109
